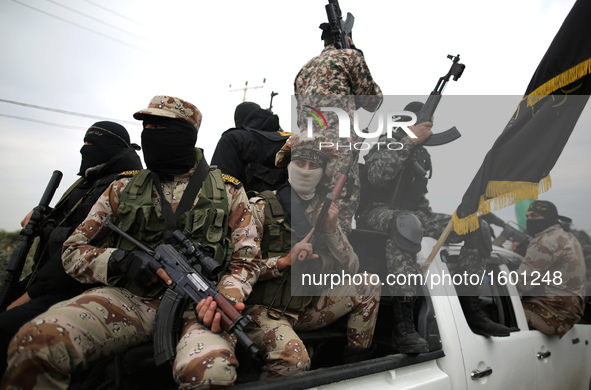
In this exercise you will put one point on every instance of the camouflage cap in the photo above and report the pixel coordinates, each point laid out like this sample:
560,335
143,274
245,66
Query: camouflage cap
171,107
317,148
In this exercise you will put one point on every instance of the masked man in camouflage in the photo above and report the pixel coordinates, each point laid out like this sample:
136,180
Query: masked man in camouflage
276,313
337,78
552,274
394,202
107,155
177,191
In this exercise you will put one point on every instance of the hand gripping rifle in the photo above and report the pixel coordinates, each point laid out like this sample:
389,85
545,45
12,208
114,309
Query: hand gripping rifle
509,233
340,29
330,198
426,114
27,236
188,283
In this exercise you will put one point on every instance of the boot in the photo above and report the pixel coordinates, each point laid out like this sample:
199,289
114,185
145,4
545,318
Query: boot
404,336
357,354
479,321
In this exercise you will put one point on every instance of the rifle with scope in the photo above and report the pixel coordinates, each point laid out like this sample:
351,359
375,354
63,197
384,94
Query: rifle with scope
186,268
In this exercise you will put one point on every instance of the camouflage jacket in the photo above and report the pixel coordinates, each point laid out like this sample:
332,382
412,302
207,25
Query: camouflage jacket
336,73
337,243
88,263
557,254
383,168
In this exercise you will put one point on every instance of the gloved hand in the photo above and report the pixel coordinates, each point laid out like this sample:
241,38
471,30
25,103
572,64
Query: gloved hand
134,265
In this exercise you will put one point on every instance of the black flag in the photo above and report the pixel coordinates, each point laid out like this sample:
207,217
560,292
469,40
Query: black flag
518,165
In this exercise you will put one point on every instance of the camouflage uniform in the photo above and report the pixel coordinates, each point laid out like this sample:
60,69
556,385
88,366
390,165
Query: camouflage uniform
553,308
338,78
383,168
285,353
106,321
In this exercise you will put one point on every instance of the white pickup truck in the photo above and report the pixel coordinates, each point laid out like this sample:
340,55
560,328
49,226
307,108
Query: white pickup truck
527,359
458,360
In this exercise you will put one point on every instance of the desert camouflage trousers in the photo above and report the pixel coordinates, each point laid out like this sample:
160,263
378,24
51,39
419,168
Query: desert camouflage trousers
286,354
102,323
383,218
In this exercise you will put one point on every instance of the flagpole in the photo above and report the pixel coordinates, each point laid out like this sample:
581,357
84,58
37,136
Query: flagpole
438,245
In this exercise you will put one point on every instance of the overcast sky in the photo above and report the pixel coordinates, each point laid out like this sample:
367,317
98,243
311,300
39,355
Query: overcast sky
107,59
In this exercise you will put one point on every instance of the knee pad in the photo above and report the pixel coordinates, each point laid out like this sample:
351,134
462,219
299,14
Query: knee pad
407,232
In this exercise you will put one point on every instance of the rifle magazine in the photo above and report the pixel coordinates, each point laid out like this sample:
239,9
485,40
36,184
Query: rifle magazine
167,326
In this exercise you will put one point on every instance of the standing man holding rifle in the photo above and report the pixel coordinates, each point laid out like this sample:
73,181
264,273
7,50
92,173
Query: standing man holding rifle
338,77
178,191
280,304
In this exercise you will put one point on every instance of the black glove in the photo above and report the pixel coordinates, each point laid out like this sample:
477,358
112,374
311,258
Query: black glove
135,265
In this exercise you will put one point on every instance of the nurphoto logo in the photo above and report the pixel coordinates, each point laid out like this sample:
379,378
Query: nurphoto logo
388,121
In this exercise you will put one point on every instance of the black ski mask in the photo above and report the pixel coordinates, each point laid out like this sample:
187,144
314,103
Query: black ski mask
535,226
546,210
107,139
169,150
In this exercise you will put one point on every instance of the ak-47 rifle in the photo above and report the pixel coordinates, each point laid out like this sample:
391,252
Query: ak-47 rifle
426,114
27,236
188,283
340,29
509,233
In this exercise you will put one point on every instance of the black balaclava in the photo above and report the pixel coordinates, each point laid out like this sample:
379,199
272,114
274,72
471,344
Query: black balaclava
170,150
242,111
107,139
546,210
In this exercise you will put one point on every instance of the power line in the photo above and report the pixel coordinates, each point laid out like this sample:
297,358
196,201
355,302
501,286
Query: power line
66,112
43,122
96,19
82,27
115,13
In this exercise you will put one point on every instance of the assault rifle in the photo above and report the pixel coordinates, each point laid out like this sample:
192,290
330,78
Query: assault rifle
27,236
426,114
509,233
188,283
340,29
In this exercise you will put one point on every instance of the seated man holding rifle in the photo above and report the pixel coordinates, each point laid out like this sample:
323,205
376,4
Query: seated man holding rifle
282,303
178,192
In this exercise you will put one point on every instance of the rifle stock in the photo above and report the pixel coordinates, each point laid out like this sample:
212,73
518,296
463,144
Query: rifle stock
27,237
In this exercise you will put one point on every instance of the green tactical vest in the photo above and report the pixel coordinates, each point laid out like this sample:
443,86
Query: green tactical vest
207,222
276,241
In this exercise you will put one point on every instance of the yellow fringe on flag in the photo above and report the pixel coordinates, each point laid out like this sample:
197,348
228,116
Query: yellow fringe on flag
565,78
498,195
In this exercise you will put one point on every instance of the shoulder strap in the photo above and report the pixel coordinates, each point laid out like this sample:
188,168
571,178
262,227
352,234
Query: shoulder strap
189,195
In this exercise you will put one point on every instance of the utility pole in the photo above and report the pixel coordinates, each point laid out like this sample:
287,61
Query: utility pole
246,87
